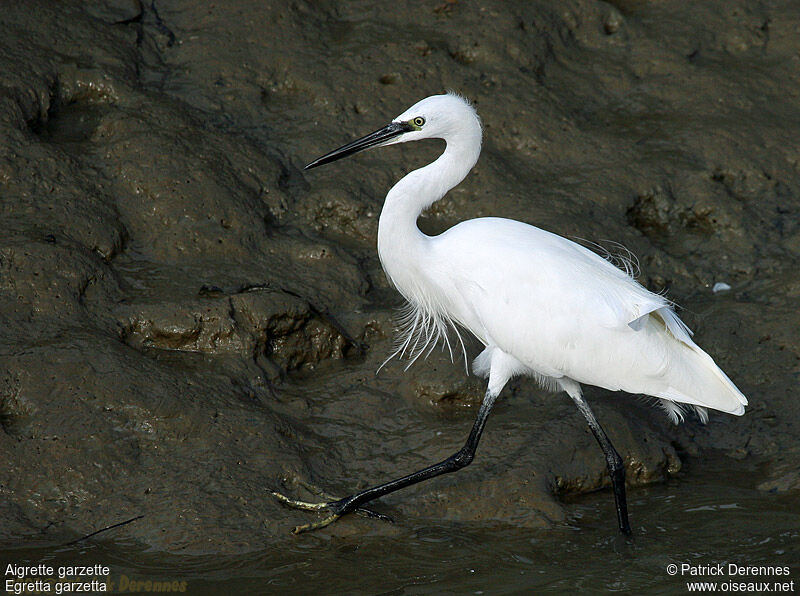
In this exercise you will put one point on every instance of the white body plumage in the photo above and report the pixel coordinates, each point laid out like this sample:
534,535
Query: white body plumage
542,305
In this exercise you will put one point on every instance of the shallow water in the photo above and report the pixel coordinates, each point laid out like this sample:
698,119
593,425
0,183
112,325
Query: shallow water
708,517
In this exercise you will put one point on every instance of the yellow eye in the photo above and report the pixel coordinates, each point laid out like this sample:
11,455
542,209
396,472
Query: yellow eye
418,121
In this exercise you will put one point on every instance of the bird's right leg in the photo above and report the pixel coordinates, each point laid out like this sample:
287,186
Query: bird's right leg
458,460
616,467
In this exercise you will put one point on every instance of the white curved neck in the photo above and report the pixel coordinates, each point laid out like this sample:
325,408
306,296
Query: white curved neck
401,244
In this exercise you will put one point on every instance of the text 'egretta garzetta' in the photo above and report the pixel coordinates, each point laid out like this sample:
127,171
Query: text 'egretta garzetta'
542,306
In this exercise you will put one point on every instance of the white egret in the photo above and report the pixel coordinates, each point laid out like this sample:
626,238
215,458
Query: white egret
542,306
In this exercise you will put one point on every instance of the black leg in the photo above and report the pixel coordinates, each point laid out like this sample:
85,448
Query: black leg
461,458
616,467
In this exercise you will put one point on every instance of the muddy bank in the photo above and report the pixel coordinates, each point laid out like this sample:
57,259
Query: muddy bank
188,318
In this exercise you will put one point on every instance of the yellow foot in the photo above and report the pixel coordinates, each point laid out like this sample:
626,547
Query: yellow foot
332,504
316,525
298,504
305,505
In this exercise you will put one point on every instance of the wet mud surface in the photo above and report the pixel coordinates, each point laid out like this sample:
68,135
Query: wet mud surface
188,319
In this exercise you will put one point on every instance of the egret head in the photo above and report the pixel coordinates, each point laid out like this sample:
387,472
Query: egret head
435,117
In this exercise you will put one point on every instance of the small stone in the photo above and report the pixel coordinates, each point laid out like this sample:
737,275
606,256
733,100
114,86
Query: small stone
720,286
390,78
612,22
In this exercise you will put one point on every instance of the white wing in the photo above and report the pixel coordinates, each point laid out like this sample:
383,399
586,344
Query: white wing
563,311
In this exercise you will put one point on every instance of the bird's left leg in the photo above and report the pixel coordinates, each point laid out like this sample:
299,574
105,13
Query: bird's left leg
616,467
458,460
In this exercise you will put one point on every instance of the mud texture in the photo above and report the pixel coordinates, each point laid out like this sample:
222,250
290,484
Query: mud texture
187,318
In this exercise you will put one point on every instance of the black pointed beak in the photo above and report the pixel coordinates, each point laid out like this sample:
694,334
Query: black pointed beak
379,137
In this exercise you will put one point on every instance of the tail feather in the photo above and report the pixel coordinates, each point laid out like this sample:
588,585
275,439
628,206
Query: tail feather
704,384
675,410
694,377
